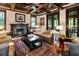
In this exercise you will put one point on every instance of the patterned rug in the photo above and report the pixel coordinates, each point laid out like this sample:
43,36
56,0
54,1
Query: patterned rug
22,50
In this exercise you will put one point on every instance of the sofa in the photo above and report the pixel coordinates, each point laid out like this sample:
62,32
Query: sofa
73,49
6,44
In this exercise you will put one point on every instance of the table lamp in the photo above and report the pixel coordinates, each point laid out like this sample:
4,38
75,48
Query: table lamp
37,28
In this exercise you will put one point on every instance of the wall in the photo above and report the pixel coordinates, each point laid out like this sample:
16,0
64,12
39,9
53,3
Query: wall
63,20
10,19
38,20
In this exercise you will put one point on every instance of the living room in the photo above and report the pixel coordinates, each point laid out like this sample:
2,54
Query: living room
39,29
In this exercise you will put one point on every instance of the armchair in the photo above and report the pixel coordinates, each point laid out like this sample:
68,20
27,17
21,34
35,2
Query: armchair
73,48
6,44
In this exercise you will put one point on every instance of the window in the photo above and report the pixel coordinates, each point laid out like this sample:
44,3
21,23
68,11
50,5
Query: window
49,22
55,20
2,19
33,21
72,21
52,21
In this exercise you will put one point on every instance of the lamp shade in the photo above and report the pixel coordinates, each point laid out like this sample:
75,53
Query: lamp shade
59,27
1,27
37,26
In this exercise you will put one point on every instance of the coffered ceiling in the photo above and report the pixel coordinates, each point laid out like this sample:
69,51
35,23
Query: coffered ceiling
34,8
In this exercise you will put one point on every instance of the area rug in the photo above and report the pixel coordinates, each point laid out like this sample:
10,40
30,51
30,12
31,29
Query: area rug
22,50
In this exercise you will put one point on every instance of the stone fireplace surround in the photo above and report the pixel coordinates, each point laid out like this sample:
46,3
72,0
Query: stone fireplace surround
19,29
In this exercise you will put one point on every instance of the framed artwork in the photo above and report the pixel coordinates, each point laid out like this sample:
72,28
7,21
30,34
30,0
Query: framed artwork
19,17
42,21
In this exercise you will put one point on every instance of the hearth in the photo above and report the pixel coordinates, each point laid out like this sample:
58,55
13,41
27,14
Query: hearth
19,29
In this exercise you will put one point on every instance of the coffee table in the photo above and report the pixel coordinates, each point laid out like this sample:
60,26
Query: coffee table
32,41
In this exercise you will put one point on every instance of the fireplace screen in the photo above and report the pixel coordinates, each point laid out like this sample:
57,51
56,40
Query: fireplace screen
20,31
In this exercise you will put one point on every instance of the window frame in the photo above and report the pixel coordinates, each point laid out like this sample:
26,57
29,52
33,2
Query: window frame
4,18
31,21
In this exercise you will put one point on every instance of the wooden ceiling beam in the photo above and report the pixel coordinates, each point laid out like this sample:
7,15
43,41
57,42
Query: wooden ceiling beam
57,5
12,5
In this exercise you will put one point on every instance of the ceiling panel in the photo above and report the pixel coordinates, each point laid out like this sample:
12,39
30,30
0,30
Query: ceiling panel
35,7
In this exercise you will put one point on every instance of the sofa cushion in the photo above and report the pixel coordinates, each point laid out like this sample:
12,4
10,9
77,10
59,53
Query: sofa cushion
3,37
75,40
3,33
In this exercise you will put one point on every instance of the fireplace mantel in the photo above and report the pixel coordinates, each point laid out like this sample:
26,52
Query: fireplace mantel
18,24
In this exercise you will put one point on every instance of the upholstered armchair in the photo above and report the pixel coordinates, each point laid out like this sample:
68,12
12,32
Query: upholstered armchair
73,49
6,44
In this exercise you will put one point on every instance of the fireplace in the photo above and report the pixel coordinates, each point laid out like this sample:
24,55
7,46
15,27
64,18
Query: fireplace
19,29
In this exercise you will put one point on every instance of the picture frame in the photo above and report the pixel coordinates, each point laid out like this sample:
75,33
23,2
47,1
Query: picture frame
19,17
42,21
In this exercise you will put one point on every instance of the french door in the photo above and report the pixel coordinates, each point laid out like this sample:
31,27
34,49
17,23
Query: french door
52,21
72,27
72,23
